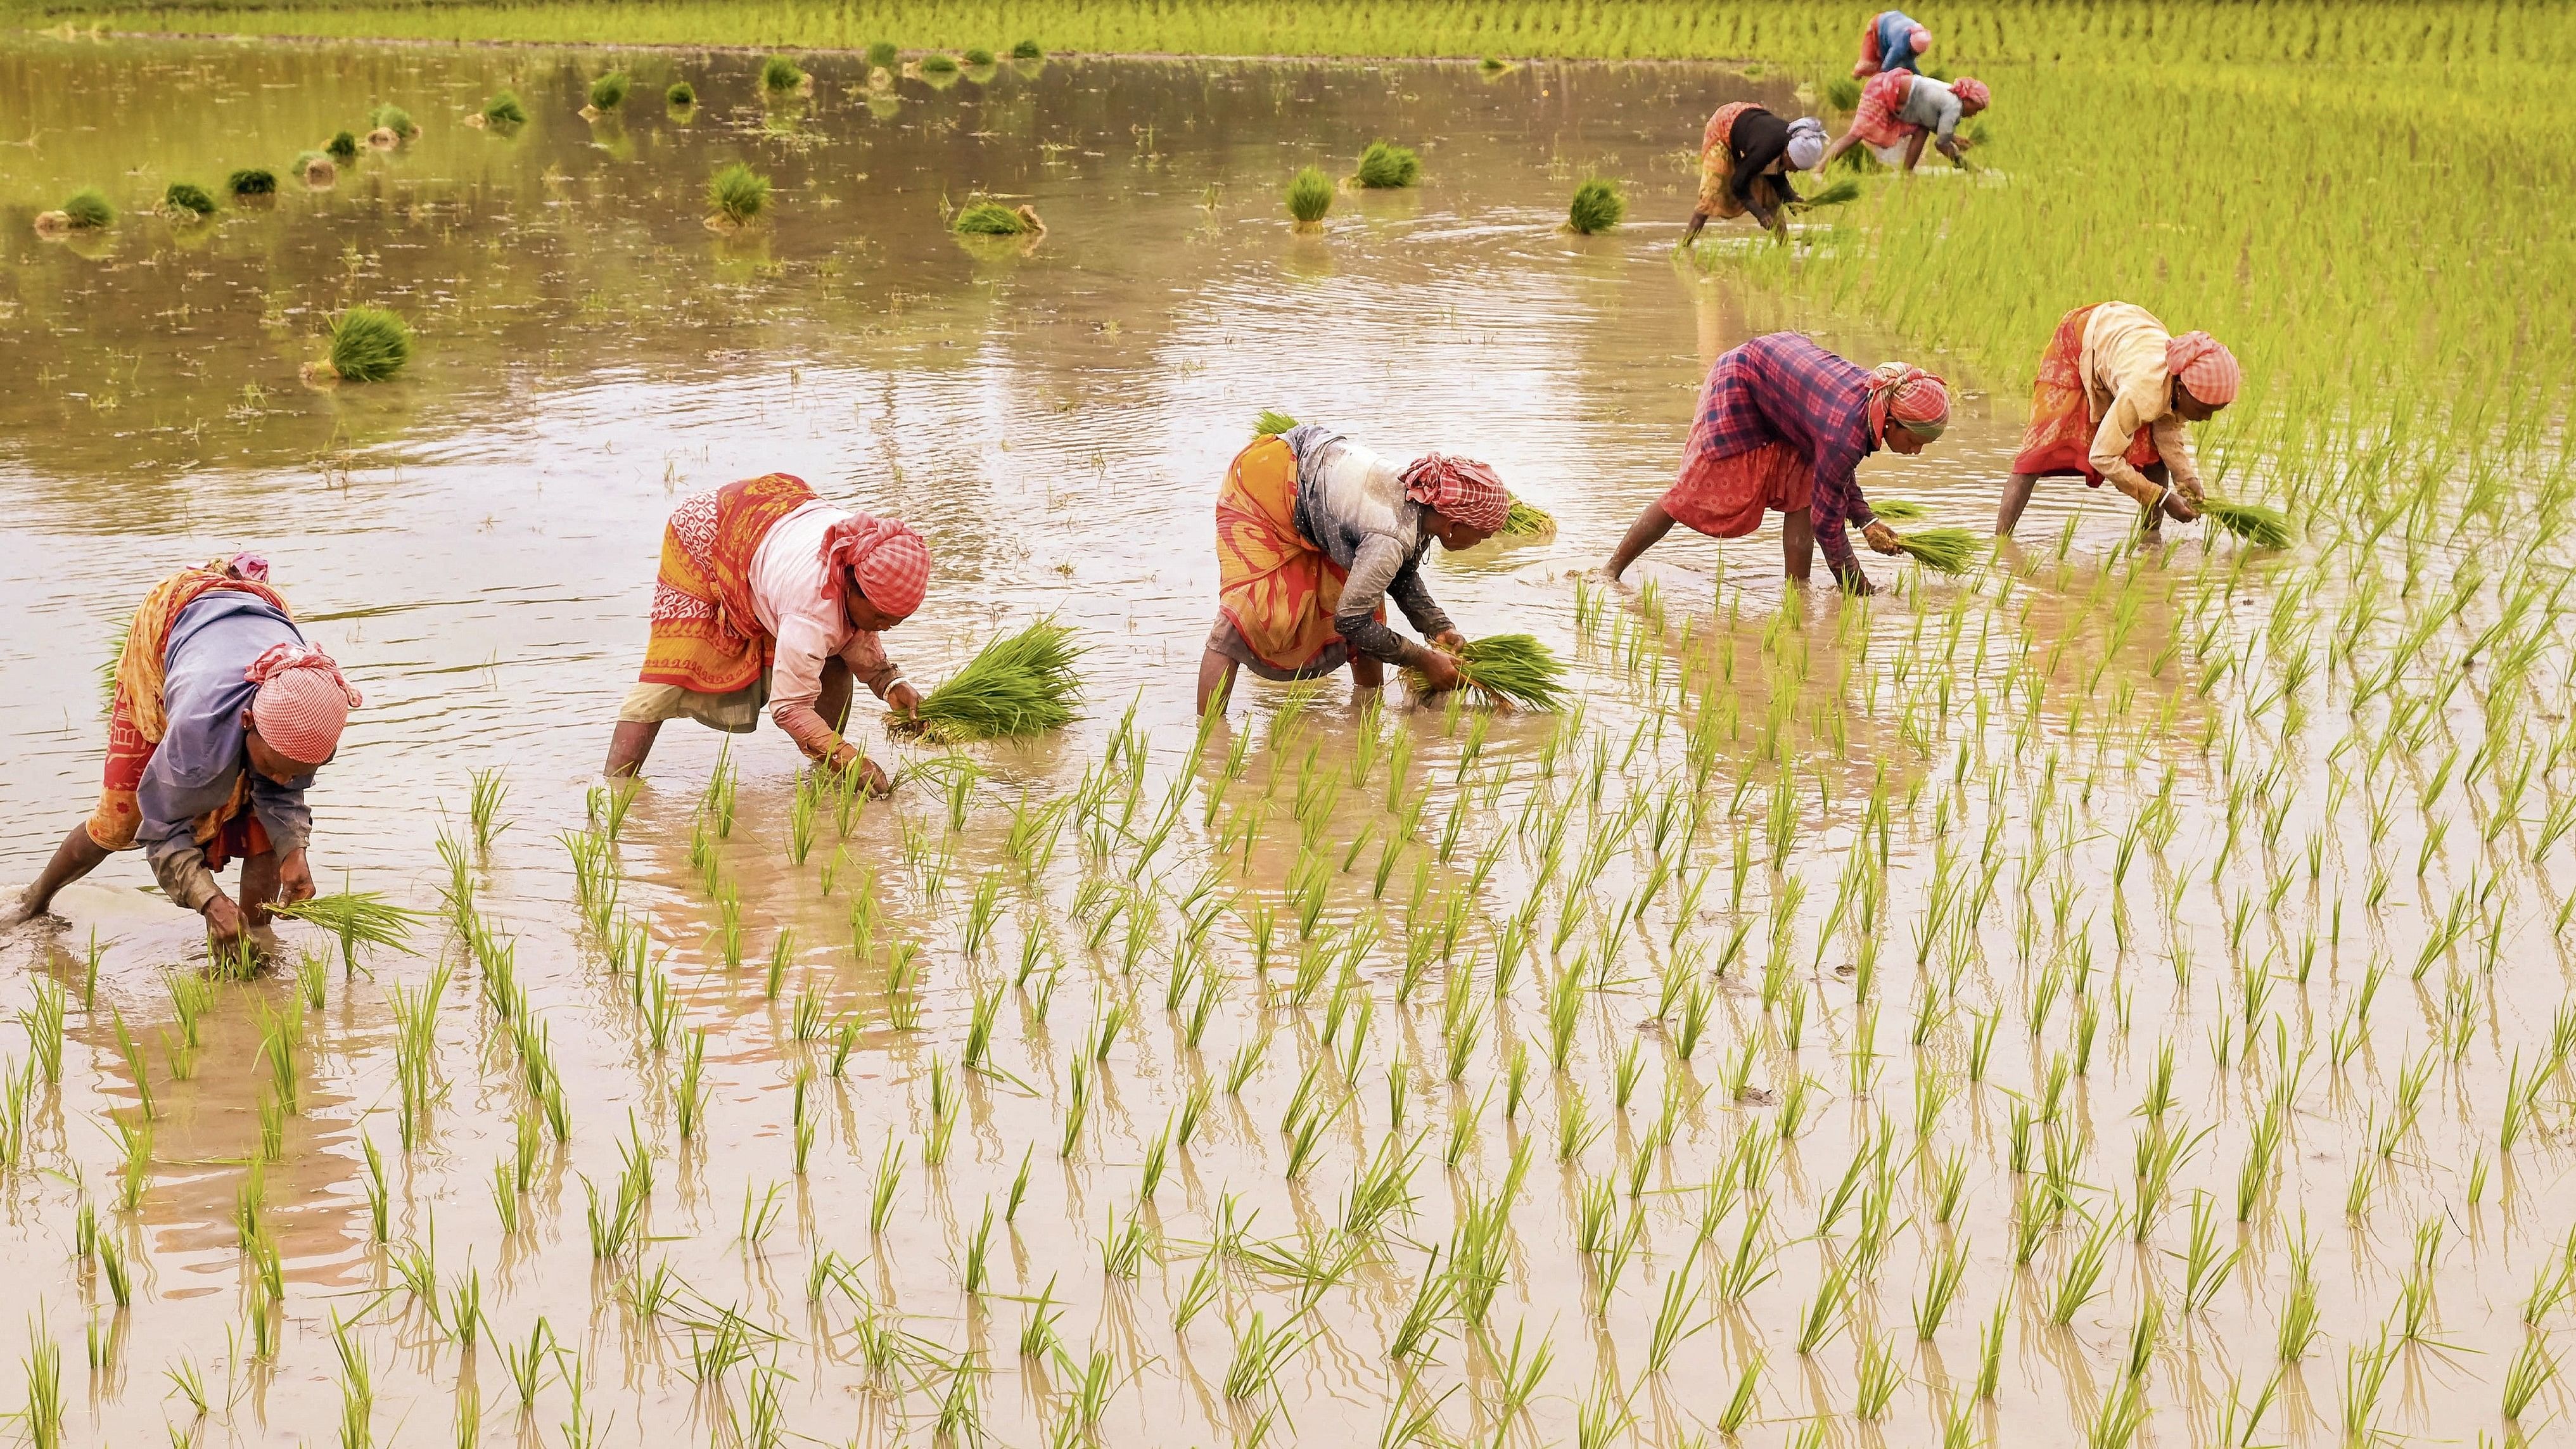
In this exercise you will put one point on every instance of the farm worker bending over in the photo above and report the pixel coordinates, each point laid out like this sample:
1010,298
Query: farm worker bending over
1891,41
2113,391
769,595
1782,425
1314,533
1899,109
1743,158
222,715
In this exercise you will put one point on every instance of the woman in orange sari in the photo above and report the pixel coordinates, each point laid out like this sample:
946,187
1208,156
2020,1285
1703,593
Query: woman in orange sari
769,596
1314,533
2113,391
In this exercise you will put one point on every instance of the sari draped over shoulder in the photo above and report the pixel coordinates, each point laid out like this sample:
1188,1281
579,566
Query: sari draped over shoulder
706,635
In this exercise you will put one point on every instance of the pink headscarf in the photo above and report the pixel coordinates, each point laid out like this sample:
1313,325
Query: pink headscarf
1920,39
248,565
1459,488
1972,91
1904,394
2206,367
302,703
887,559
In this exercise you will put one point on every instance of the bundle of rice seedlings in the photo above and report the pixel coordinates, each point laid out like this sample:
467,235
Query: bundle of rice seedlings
357,918
1897,510
1310,196
1506,669
939,62
342,148
504,110
992,218
1272,423
1493,65
318,170
1597,207
369,344
1942,550
1028,50
87,210
1384,166
609,91
738,193
187,201
1017,684
1843,93
883,55
1834,194
394,119
778,73
978,56
252,181
1525,521
681,93
2258,524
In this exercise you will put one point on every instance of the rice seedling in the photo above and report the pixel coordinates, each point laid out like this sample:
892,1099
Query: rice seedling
1598,206
738,194
680,96
342,148
2534,1367
1386,166
779,74
992,218
504,110
1943,550
1017,684
1514,670
1310,198
393,118
2258,524
368,344
938,63
608,92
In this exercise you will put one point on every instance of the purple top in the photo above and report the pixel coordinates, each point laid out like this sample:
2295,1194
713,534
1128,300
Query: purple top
1783,388
195,767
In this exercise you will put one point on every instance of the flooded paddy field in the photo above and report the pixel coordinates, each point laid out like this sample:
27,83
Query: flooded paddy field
2117,995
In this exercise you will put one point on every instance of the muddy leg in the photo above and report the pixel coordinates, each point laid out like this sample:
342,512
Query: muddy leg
628,747
258,887
1367,673
77,856
2151,511
1645,533
833,704
1216,681
2016,498
1797,545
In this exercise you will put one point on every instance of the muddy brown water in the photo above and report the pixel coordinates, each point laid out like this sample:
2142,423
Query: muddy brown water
476,541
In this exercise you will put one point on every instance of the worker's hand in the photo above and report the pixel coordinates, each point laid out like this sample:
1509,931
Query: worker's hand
1440,672
224,924
294,878
1450,639
871,779
1855,582
2184,500
1880,537
903,699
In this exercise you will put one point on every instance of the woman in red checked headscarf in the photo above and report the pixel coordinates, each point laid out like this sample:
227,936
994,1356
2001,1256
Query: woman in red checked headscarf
1782,426
222,714
1314,533
2113,392
770,597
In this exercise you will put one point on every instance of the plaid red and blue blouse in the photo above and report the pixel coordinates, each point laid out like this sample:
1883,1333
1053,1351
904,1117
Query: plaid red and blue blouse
1783,388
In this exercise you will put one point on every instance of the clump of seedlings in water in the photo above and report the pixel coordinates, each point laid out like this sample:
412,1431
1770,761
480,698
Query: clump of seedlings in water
342,147
392,125
992,218
185,201
781,76
1385,166
84,211
1597,207
738,194
1028,50
609,91
680,96
977,57
316,170
1310,196
1017,684
368,344
250,182
503,111
883,55
939,63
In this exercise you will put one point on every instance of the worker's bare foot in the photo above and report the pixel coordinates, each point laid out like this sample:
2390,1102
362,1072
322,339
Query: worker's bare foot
22,908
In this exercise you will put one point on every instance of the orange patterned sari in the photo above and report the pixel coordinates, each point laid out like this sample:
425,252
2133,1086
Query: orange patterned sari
2059,441
706,637
1276,588
137,721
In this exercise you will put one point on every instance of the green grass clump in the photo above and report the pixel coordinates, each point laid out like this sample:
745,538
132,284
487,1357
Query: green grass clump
1028,50
1597,207
738,193
369,344
609,91
1526,521
883,55
394,119
778,73
1017,684
1385,165
1493,65
1942,550
1507,669
992,218
1310,195
252,181
88,211
1835,194
186,198
1842,93
2258,524
681,93
1272,423
343,147
505,110
1898,510
356,918
978,55
939,62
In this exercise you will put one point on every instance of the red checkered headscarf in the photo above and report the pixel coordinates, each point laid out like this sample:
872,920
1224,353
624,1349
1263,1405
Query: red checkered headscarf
1899,393
2206,367
1459,488
886,559
302,703
1972,91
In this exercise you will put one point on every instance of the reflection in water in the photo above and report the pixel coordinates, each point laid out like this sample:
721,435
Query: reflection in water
1309,935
